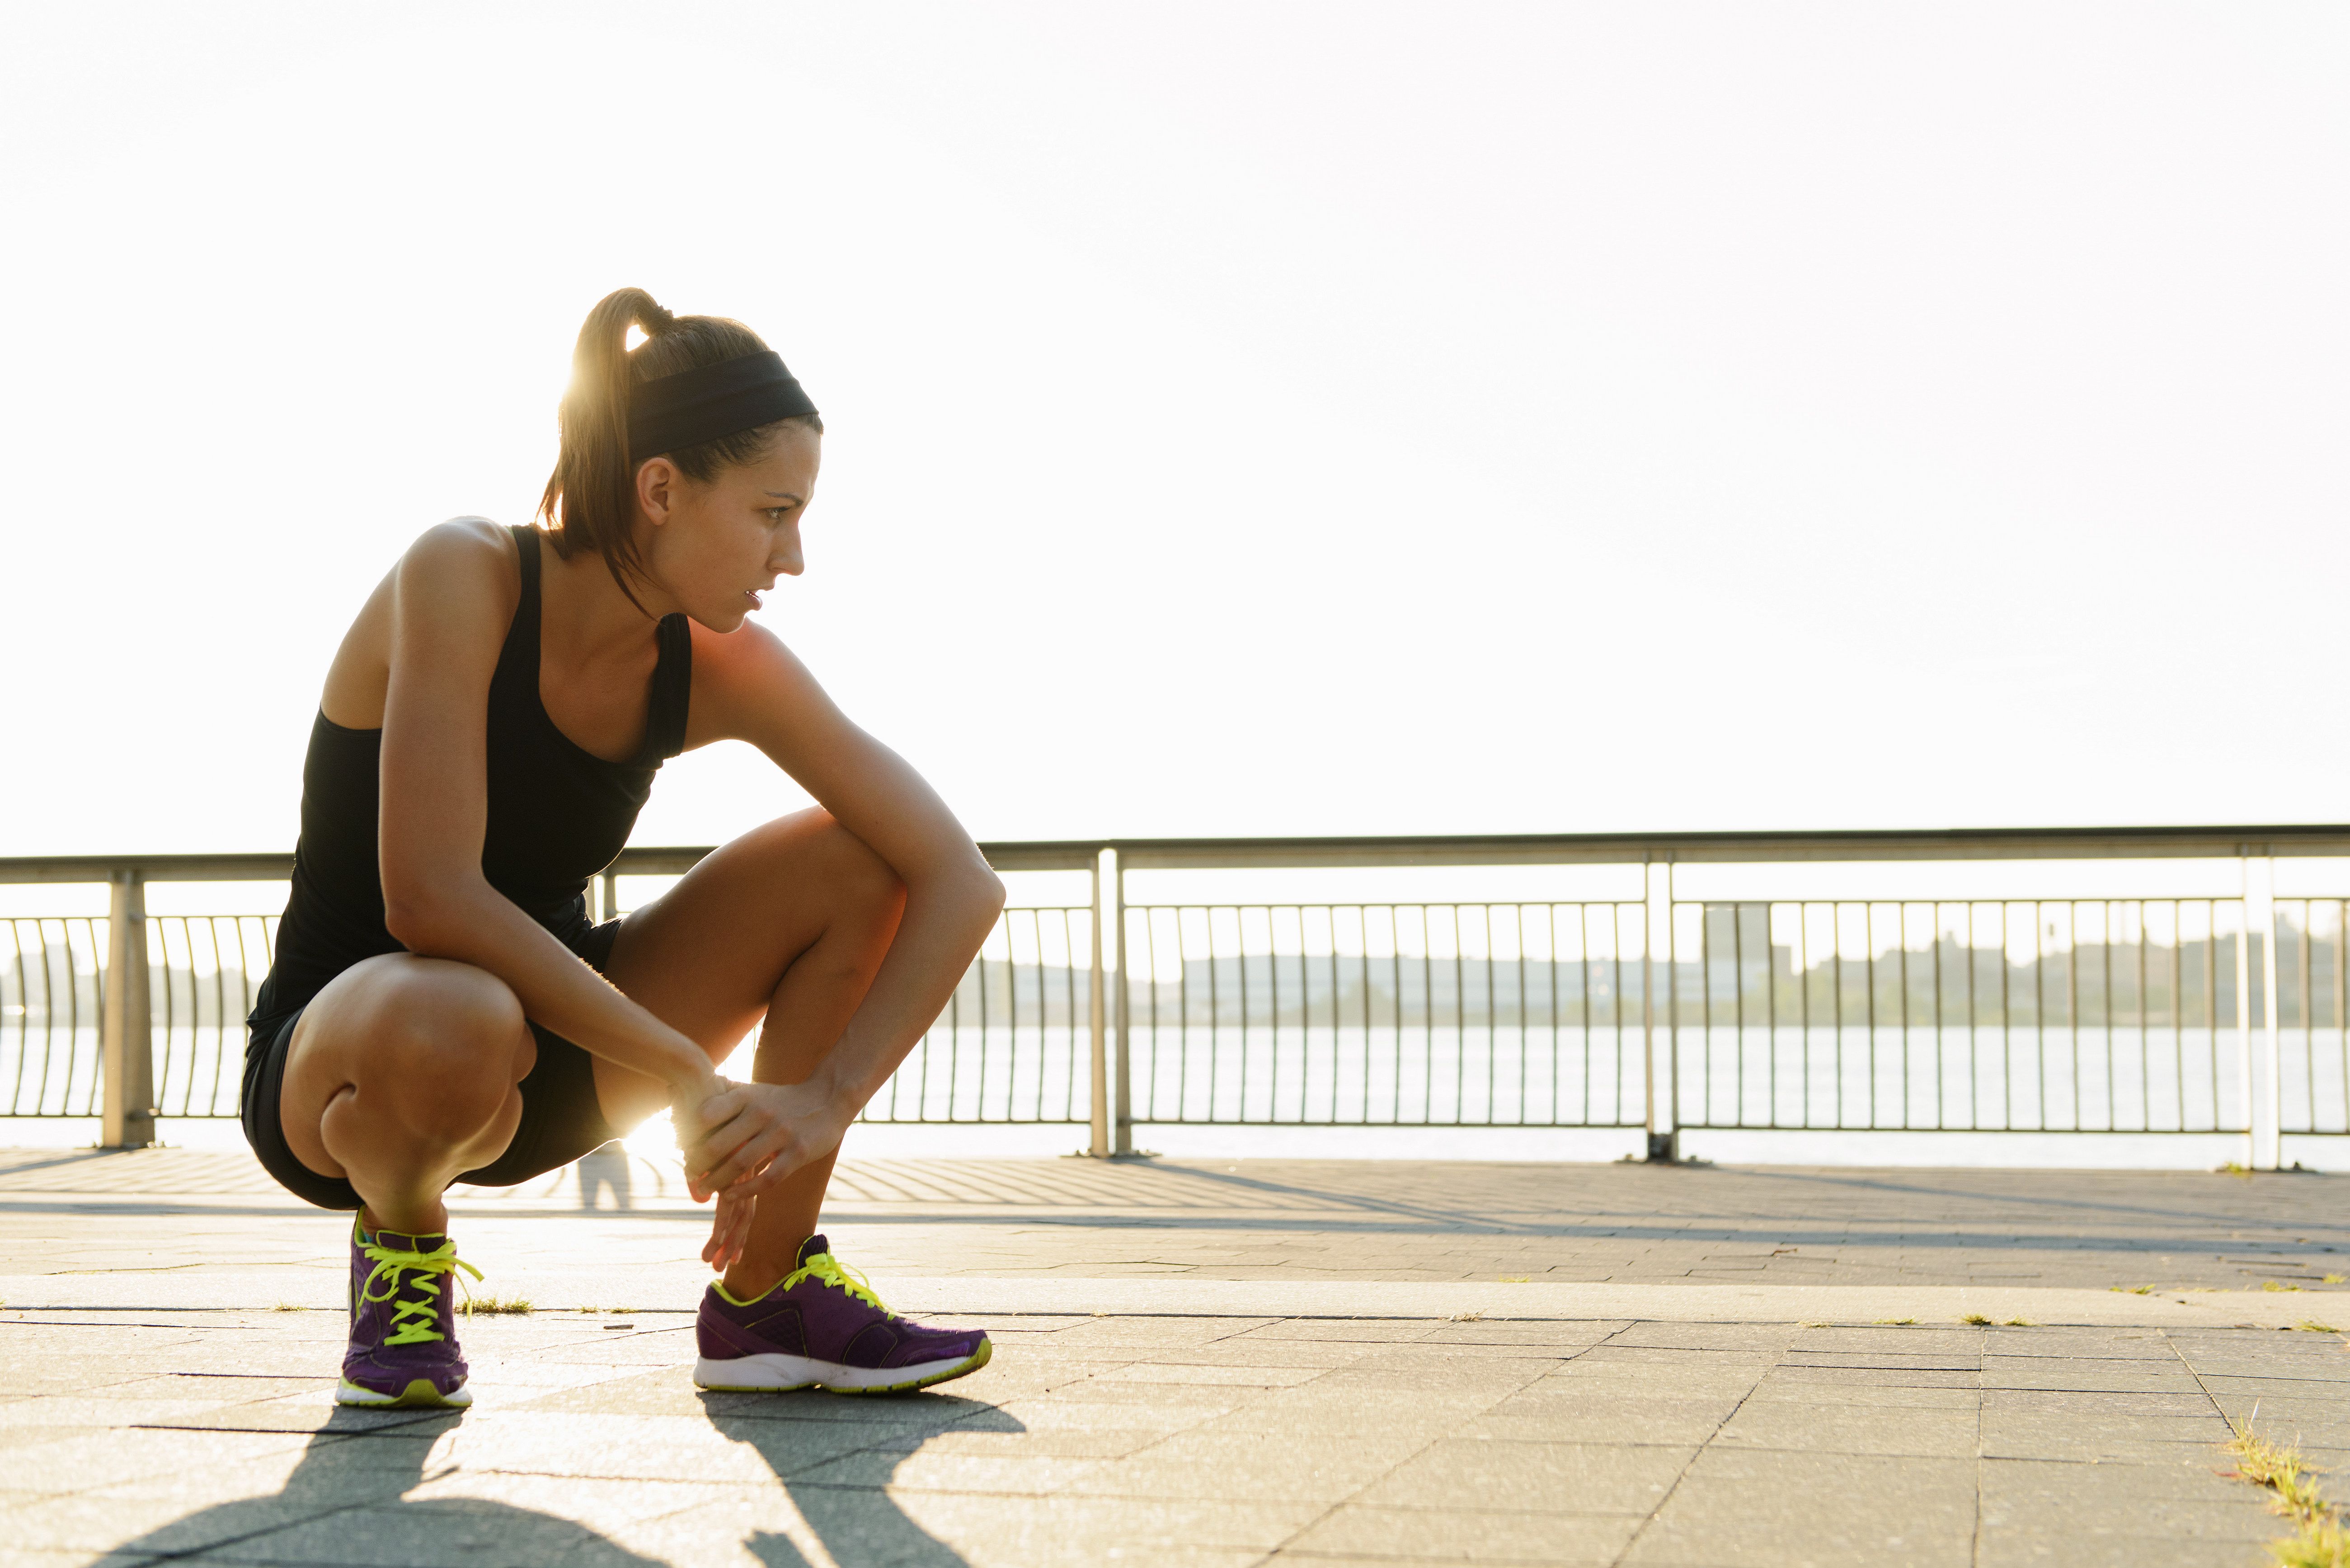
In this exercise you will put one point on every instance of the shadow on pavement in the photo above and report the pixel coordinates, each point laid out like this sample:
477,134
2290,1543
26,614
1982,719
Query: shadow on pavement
858,1522
602,1169
343,1504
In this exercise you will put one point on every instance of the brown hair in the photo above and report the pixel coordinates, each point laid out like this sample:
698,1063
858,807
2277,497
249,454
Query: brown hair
591,499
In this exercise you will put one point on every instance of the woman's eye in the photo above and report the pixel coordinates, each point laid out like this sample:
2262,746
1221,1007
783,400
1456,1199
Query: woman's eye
776,514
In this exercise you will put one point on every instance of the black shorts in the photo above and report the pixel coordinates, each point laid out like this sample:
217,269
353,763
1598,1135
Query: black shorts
560,1118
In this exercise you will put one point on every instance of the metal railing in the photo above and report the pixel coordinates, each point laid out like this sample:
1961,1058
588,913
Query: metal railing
2089,1015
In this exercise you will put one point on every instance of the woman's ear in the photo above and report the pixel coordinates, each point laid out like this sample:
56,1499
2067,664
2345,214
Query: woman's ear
657,481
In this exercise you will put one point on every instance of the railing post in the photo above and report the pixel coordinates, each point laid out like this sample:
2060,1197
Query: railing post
127,1037
1124,1120
2271,1150
2244,1008
1656,899
1099,1146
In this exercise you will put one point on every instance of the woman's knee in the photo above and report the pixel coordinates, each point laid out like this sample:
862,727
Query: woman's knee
859,881
443,1042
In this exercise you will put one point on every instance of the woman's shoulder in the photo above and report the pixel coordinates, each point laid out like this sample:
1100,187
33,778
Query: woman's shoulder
461,577
462,542
463,553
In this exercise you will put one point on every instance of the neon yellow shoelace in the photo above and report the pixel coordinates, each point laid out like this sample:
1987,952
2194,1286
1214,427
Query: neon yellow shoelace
828,1269
412,1320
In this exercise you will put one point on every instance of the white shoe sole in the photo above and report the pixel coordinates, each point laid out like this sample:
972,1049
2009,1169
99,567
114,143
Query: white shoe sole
776,1372
419,1393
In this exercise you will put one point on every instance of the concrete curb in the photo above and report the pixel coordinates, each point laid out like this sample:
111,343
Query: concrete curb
673,1287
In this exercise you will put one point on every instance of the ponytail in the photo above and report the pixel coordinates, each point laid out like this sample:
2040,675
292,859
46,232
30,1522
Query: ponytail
590,502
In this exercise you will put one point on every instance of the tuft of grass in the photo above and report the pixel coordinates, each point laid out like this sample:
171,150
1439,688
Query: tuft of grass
495,1307
2321,1543
2318,1539
1516,1279
1897,1321
286,1306
2019,1323
2262,1462
1809,1323
1977,1319
2231,1169
2277,1285
2311,1326
1468,1317
2331,1280
2142,1291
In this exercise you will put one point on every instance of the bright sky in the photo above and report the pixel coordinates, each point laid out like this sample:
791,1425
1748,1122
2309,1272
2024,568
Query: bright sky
1245,419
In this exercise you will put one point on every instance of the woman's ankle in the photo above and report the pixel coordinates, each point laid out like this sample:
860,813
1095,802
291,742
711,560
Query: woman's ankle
406,1220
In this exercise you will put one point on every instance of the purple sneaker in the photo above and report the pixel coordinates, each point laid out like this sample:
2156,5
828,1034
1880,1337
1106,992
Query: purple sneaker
822,1324
402,1299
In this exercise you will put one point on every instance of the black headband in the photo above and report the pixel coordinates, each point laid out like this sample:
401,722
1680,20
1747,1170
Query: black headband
673,412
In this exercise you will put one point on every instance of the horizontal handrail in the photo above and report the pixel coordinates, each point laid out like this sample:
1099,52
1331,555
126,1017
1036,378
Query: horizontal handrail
2222,842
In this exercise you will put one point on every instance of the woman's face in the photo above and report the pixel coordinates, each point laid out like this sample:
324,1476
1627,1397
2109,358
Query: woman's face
716,548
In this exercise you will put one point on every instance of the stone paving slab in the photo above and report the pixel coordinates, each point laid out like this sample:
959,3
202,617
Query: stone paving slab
1334,1396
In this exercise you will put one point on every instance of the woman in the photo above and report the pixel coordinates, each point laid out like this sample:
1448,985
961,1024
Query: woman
442,1009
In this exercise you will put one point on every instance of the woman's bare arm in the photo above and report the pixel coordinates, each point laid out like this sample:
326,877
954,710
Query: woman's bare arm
748,686
453,598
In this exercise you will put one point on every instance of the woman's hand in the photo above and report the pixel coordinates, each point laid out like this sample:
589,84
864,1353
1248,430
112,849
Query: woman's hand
729,1229
774,1130
698,1108
740,1139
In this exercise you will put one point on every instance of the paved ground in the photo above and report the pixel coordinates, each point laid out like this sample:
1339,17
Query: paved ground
1229,1362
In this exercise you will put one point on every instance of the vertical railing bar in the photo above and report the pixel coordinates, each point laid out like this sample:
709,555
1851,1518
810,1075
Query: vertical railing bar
1583,968
220,1010
1771,1056
2114,1094
50,1016
2211,999
979,1103
2176,1012
1182,1003
1705,991
2308,1032
1616,997
73,1003
1836,938
1460,1023
1520,915
1395,1011
1492,1013
1974,1029
1901,935
1069,999
2040,1012
2073,1003
1942,1070
24,1016
1738,1019
1216,1016
1426,1016
160,929
1272,962
1868,935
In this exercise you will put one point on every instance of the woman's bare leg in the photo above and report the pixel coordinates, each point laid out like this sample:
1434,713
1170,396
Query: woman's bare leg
784,927
403,1072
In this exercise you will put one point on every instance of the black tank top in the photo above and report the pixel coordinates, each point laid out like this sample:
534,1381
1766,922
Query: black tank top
557,814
